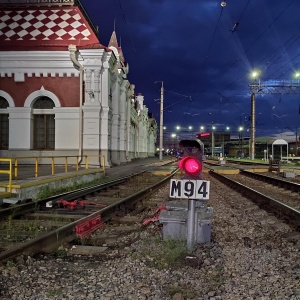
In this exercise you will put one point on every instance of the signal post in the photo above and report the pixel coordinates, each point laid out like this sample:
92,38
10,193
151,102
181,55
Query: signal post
191,186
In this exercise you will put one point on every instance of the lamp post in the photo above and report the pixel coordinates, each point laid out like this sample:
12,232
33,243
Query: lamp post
212,141
254,75
161,120
241,128
190,128
173,136
223,146
297,76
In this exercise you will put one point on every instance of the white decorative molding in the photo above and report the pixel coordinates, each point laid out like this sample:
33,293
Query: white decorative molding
8,98
40,93
19,77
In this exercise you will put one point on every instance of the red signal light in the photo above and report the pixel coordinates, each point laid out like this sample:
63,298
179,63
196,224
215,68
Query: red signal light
191,166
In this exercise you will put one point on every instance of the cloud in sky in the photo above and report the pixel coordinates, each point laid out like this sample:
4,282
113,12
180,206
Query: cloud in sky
191,46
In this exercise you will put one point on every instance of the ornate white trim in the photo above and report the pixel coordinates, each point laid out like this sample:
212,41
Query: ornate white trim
39,93
8,98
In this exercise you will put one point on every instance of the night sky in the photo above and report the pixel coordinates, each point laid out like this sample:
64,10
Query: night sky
204,54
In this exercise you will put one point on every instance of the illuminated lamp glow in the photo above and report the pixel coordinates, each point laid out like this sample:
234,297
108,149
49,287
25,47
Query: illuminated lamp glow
190,165
205,134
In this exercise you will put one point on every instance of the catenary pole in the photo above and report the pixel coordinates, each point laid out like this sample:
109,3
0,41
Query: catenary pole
161,128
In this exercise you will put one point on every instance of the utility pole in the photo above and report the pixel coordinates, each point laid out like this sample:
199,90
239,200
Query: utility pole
161,125
252,137
269,87
212,141
296,144
161,131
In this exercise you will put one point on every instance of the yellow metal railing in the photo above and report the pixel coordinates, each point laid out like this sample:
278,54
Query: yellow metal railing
15,161
11,165
8,171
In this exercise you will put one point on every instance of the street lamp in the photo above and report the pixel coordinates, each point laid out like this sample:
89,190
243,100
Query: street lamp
190,133
212,141
223,148
241,128
254,75
297,76
173,136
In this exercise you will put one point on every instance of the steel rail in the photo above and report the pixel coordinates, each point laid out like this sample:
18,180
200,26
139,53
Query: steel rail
281,210
31,206
293,186
52,240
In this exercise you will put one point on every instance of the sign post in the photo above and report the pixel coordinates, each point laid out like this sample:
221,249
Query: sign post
191,224
191,186
193,190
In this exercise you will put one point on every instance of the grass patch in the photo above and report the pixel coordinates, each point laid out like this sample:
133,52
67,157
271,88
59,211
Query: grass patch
46,191
54,293
10,264
185,290
60,252
163,254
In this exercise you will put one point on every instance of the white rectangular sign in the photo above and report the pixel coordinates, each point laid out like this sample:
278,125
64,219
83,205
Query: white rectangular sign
190,189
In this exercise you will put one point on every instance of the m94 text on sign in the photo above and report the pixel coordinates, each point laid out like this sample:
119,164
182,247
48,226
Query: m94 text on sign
190,189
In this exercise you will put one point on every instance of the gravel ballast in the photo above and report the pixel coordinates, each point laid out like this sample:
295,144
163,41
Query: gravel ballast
249,257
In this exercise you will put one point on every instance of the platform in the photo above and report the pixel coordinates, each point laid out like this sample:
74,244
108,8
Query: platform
29,186
231,170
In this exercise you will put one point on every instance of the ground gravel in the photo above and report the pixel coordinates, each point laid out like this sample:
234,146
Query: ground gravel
248,258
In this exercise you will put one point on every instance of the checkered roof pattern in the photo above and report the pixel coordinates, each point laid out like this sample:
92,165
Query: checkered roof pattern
48,26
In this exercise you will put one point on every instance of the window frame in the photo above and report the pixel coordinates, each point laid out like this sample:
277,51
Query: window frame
43,126
4,119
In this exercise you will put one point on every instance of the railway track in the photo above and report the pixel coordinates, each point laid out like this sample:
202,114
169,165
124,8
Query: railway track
45,225
237,164
279,197
249,248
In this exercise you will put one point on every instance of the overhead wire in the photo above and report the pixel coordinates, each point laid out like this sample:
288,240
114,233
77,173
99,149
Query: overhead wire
214,33
276,18
255,41
292,40
210,46
244,10
118,4
211,43
296,36
212,39
295,39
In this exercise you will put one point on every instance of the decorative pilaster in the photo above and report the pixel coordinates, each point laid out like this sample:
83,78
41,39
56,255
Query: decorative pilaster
97,89
115,126
89,95
105,119
92,87
105,136
20,117
123,121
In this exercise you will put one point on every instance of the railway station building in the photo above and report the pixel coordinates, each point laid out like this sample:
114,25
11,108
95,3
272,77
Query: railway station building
63,93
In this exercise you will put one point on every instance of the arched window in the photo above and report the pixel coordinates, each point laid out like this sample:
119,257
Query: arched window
43,124
4,124
43,103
